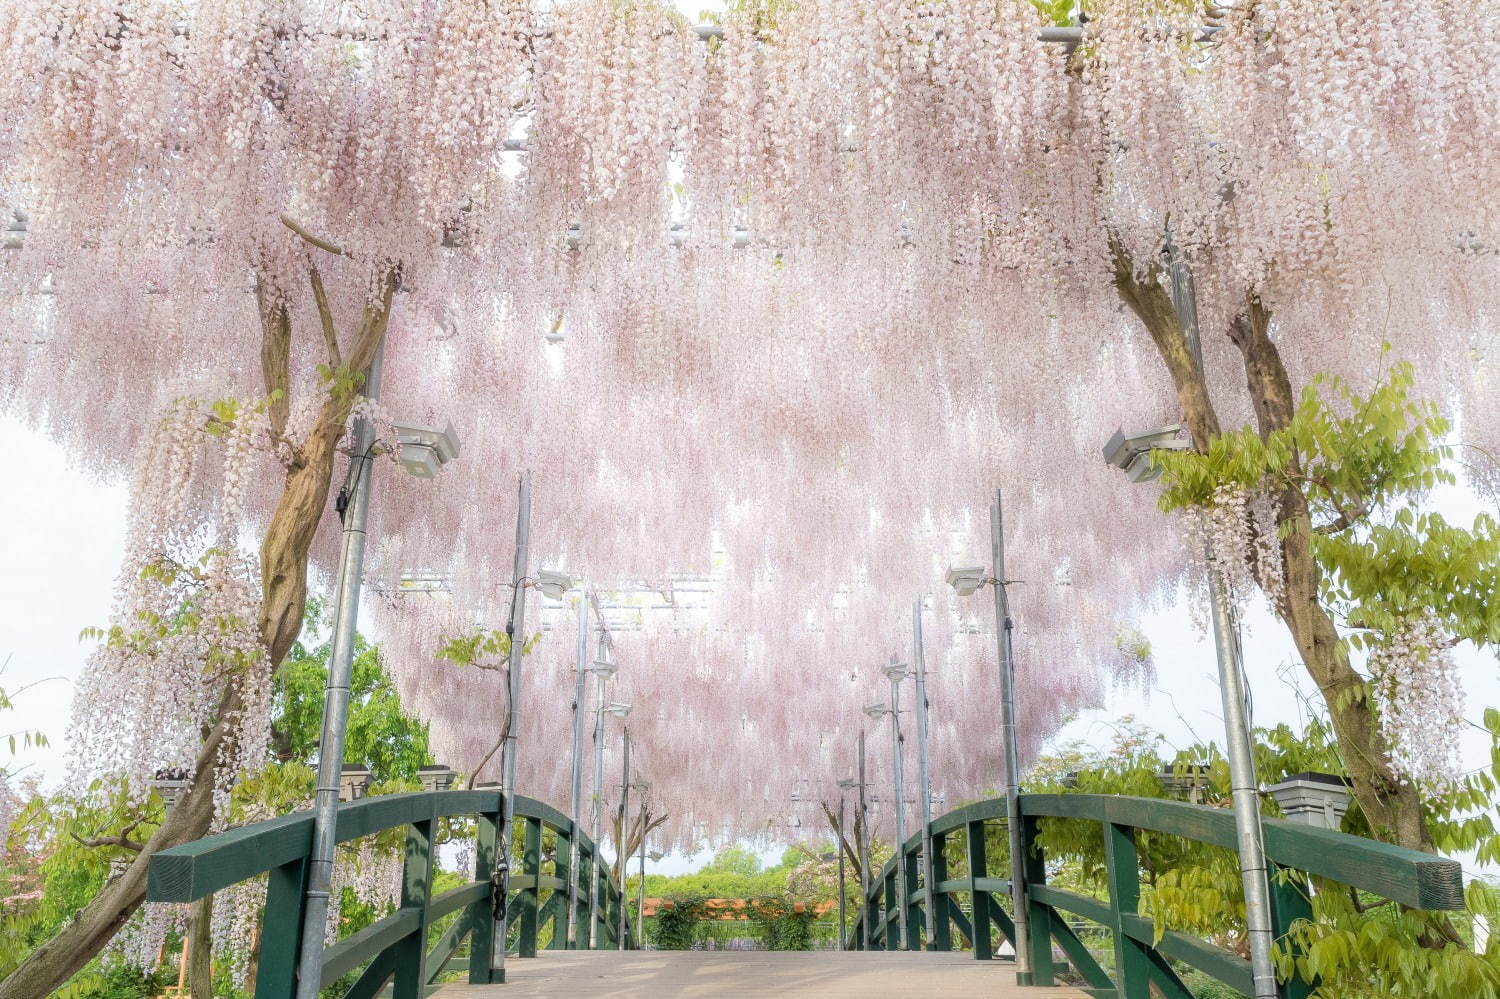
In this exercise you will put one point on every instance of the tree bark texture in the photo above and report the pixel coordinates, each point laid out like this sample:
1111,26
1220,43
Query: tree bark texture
283,557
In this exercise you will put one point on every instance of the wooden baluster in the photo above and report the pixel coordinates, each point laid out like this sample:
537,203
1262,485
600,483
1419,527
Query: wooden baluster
941,933
410,954
984,949
482,941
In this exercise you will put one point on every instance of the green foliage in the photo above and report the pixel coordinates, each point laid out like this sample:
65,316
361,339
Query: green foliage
1359,946
1362,464
483,648
781,923
119,981
381,735
677,922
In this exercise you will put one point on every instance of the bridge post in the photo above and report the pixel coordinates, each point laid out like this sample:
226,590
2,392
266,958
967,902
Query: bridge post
1132,964
281,930
563,867
528,898
410,957
942,938
482,942
912,913
893,913
980,901
1289,903
1038,915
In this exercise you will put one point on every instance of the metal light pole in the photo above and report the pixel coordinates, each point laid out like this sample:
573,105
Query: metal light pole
595,808
923,777
896,739
570,938
1234,691
640,905
621,858
515,628
336,696
843,886
864,845
1003,627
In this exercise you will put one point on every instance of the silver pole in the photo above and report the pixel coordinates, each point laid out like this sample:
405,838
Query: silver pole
924,779
622,859
864,847
843,884
595,809
576,798
336,696
1003,628
516,629
1245,788
640,906
896,739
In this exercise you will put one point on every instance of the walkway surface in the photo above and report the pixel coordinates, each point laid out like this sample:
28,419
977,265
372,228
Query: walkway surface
660,974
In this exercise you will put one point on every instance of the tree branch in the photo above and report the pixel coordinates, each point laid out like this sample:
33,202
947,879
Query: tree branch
123,840
325,316
275,354
317,241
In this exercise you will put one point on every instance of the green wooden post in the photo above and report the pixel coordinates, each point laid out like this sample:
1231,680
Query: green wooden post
1132,964
585,907
1289,903
562,897
892,913
281,932
482,943
913,913
872,913
1038,915
942,938
410,953
528,898
984,950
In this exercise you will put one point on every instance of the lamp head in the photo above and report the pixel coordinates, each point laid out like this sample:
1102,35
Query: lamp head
966,581
847,784
655,855
553,584
424,582
424,449
895,671
876,710
618,710
1132,452
604,668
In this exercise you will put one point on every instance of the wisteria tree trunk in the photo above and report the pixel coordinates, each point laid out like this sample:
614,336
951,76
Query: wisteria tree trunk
1393,809
283,555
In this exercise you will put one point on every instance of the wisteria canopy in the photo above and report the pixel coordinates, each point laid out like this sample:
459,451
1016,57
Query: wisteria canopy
767,312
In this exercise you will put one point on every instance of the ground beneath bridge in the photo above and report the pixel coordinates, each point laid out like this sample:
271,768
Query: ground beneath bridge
660,974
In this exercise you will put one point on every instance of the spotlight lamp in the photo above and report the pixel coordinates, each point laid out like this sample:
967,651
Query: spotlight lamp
424,582
425,449
848,784
617,709
966,581
896,671
1132,452
876,710
655,856
554,584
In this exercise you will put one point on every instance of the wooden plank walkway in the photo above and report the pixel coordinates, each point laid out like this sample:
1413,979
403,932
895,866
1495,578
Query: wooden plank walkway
659,974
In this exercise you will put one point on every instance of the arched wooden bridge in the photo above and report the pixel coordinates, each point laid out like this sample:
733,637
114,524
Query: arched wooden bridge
414,947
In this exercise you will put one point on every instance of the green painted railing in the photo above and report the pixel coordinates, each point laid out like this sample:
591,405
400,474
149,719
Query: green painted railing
1410,878
397,947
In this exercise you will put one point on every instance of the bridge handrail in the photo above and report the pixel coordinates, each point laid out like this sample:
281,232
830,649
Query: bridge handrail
395,946
1412,878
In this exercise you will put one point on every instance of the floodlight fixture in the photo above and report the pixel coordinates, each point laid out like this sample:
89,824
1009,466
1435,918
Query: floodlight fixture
848,784
604,668
877,710
1132,452
655,856
554,584
640,785
617,709
966,581
424,449
424,582
896,671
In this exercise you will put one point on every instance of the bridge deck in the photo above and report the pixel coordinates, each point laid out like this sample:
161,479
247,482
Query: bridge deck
661,974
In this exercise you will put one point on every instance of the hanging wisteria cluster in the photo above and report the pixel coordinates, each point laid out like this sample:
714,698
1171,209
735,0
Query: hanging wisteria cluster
823,282
1416,684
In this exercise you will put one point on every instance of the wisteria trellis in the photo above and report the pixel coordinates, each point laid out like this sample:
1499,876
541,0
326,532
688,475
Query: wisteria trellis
923,311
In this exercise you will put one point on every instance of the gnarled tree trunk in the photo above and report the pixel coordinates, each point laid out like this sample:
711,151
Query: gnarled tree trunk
1393,810
283,555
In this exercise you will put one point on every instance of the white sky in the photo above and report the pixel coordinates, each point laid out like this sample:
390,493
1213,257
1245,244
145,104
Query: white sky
64,544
